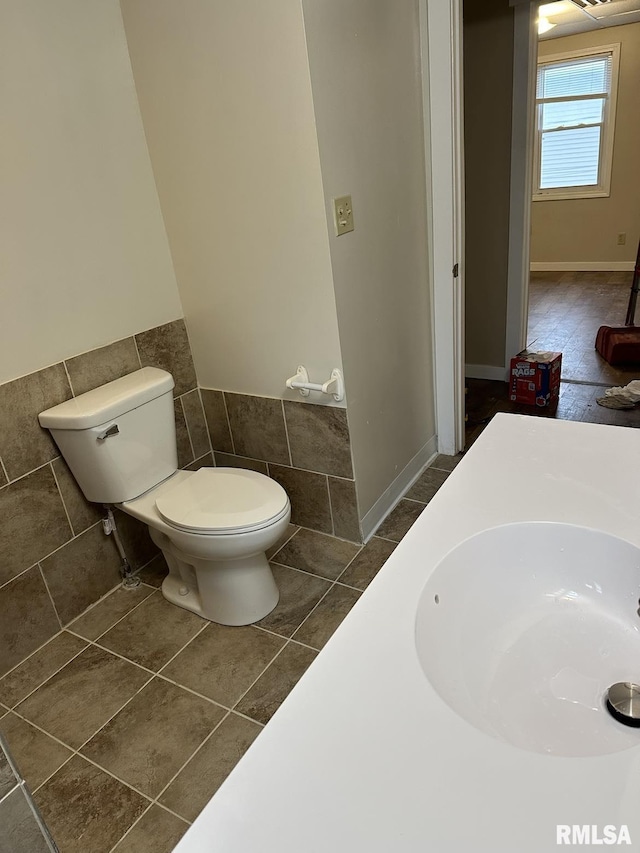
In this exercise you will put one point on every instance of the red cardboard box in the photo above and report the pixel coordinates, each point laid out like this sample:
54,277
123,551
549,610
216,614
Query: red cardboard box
535,378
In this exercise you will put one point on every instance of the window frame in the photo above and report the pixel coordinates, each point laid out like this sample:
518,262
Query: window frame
603,188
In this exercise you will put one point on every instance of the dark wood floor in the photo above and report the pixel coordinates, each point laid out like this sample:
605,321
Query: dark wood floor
565,312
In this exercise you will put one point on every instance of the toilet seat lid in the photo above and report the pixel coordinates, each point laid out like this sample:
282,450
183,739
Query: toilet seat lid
230,500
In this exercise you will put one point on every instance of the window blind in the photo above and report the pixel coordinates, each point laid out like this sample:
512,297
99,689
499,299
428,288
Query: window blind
571,99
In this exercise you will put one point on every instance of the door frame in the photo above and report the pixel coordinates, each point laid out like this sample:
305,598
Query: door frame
441,38
442,78
525,58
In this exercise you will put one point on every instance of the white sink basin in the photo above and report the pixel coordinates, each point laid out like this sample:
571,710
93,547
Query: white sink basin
522,628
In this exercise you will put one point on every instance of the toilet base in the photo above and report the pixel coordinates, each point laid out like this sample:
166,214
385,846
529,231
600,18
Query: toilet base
229,592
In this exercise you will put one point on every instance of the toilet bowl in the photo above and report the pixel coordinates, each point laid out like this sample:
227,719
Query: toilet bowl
212,525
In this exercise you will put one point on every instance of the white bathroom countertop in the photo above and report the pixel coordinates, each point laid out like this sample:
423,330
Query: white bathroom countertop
364,755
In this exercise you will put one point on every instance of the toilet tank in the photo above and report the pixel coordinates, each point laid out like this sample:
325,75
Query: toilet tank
119,440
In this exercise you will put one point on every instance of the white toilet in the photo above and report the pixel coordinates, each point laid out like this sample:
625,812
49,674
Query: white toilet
213,525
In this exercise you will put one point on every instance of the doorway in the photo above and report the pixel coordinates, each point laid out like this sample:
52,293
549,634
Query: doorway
585,214
610,281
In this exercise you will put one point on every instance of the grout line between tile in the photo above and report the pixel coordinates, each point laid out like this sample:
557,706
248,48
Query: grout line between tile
66,370
117,778
193,692
204,417
4,471
200,457
386,539
286,542
48,734
144,566
277,654
53,604
77,752
33,471
135,343
300,642
321,533
171,812
64,544
413,501
15,577
152,591
333,524
115,714
286,639
136,821
193,754
271,632
313,609
338,582
307,471
65,762
64,506
247,717
357,554
189,641
18,783
34,652
117,655
286,433
311,574
146,811
175,814
186,423
226,411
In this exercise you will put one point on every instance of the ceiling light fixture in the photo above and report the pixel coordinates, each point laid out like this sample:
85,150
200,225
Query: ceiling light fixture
544,25
548,10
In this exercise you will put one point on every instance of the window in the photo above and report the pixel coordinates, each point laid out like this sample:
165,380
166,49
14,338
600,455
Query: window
575,119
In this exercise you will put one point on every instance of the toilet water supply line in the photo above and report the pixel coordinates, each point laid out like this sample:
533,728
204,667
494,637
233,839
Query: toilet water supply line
129,580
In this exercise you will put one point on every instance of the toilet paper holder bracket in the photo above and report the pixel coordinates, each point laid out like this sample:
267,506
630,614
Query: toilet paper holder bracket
334,385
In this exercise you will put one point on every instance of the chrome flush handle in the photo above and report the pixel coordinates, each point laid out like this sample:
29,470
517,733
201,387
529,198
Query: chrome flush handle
113,430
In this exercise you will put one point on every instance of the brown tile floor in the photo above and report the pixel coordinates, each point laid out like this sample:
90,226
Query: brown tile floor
126,723
96,718
565,312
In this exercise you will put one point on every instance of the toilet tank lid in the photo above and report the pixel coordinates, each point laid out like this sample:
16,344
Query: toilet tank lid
108,401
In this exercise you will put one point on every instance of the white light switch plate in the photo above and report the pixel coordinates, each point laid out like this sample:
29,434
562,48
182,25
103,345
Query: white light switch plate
343,214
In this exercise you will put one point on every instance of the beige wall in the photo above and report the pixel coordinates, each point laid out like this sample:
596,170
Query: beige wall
225,97
228,108
85,258
488,74
365,73
574,230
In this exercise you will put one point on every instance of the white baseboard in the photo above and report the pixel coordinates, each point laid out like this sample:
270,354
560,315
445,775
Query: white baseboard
392,494
582,266
486,371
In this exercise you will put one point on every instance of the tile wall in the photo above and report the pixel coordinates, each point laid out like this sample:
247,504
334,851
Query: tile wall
305,447
55,560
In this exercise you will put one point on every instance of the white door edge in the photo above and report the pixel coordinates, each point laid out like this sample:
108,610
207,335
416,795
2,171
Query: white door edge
525,51
441,33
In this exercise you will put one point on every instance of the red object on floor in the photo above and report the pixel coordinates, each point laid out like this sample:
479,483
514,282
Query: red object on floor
535,378
619,344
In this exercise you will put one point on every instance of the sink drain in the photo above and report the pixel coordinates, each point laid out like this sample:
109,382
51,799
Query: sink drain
623,703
